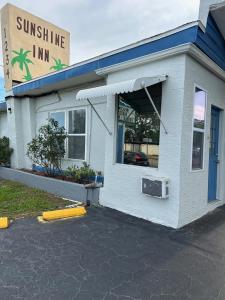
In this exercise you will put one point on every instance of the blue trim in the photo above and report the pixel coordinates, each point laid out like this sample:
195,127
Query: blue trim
185,36
98,178
212,42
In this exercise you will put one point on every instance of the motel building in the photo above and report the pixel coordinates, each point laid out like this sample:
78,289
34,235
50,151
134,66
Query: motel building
150,116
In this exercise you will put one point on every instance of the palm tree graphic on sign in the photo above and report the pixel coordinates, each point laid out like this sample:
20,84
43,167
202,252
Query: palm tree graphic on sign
23,61
58,65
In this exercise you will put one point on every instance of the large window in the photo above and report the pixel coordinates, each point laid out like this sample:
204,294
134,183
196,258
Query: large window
138,128
198,129
76,129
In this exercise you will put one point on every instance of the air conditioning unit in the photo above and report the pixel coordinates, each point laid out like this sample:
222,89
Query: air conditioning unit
155,186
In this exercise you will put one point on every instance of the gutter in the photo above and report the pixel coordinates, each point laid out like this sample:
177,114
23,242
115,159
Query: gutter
189,49
158,44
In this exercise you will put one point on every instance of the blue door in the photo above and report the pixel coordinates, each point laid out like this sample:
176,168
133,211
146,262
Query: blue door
213,153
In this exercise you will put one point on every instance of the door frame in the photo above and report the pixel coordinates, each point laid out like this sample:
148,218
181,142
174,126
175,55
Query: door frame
219,154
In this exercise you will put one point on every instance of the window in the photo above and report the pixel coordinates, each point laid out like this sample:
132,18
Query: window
198,129
138,128
76,130
77,134
59,117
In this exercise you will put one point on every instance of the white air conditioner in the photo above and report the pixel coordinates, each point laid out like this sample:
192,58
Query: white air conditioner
157,187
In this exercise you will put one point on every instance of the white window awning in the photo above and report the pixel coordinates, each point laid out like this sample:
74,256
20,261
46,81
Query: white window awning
120,87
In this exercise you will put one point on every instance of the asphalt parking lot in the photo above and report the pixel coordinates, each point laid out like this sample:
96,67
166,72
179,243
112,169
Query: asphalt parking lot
111,256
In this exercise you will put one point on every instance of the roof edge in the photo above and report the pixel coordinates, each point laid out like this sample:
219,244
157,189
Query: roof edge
118,50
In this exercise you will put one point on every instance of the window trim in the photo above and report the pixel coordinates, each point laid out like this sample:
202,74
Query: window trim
116,106
199,129
76,134
66,113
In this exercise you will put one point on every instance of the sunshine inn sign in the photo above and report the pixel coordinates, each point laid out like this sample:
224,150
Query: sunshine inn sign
32,47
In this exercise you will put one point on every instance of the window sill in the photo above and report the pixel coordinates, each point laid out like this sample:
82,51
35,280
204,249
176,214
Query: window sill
135,166
74,159
197,171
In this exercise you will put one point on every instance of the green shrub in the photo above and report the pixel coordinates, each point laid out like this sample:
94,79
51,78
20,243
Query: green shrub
47,149
80,174
5,151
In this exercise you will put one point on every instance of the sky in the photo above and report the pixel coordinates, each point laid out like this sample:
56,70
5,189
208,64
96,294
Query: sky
98,26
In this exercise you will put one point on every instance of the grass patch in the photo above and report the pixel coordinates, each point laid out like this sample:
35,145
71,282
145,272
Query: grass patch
17,200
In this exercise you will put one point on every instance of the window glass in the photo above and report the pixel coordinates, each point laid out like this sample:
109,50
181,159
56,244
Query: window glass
77,134
77,121
199,108
59,117
197,150
138,128
76,147
198,129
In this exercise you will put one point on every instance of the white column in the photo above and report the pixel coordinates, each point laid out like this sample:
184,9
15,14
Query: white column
29,127
110,139
21,129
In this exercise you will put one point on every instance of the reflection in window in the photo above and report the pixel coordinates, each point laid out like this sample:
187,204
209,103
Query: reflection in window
138,128
197,151
198,129
59,117
77,134
199,108
77,121
76,147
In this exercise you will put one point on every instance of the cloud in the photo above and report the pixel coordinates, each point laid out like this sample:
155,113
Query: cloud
100,26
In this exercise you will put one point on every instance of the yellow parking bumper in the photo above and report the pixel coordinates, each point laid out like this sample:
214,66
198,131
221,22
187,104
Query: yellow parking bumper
4,223
63,213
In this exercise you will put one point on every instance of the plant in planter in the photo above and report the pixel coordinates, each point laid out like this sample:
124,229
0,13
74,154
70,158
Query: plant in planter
5,151
47,149
80,174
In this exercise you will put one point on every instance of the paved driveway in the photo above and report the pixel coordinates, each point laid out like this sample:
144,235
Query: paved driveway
108,255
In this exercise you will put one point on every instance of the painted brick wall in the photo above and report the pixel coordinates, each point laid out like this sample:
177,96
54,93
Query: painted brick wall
194,185
122,190
29,114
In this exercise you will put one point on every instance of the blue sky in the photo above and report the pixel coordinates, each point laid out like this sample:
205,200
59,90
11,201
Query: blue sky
100,26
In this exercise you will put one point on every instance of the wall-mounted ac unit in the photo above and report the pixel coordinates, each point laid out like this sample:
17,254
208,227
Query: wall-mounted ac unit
155,186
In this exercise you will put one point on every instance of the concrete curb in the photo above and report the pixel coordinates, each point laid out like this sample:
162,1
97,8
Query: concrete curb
63,213
4,222
61,188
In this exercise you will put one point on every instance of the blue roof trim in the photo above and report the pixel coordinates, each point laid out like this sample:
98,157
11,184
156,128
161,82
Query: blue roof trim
212,42
188,35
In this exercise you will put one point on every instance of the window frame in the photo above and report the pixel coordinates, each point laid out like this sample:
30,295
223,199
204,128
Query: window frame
76,134
195,129
66,113
122,165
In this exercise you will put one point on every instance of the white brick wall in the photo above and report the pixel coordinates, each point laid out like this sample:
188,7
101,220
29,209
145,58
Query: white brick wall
29,114
194,185
122,189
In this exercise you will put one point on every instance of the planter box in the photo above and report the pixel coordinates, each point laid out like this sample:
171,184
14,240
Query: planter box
53,186
99,179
